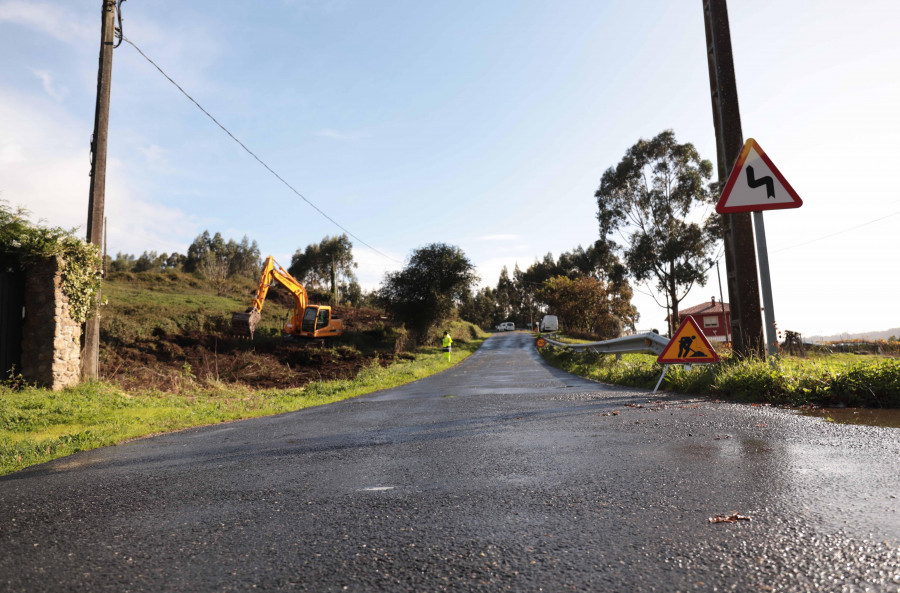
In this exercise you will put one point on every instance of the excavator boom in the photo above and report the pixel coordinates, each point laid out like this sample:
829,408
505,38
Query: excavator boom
307,321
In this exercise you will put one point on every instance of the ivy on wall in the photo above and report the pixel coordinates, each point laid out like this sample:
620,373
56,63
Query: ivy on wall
22,243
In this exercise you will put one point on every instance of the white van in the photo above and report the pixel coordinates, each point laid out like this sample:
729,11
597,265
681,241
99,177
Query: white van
550,323
507,326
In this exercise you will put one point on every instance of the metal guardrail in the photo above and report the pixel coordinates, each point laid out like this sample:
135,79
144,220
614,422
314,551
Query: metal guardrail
649,342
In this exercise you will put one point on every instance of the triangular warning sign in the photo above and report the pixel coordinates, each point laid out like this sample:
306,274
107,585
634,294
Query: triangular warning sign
688,346
756,184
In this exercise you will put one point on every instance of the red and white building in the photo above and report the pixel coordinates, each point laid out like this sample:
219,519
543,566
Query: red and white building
714,318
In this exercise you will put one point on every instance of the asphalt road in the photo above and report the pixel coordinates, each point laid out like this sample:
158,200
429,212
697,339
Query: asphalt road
499,474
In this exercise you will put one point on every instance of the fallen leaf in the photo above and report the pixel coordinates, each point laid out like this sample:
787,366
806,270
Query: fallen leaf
732,518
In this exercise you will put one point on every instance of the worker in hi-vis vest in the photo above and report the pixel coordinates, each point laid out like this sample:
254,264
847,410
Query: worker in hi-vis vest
445,343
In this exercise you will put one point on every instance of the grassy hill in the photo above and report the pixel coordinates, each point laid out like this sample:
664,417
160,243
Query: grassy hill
171,332
147,304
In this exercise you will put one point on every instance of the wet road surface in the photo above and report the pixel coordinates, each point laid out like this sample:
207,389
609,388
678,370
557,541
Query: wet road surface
499,474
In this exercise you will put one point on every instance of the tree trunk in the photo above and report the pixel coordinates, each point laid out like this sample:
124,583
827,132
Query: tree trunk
668,314
334,290
674,320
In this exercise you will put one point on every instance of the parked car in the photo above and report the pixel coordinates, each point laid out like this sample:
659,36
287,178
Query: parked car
550,323
506,326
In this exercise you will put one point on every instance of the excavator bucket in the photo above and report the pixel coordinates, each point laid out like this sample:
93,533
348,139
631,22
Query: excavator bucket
244,324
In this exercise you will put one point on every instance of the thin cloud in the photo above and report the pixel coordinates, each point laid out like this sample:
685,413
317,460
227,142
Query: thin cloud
498,238
337,135
373,267
327,6
154,154
44,167
58,93
11,153
50,19
489,268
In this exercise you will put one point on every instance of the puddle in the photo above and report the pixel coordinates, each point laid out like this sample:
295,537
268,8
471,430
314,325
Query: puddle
862,416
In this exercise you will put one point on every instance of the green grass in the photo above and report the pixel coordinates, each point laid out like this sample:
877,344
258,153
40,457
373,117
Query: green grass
141,306
571,340
37,425
828,380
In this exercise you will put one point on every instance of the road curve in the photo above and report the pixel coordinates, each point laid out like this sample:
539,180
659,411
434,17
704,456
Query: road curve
499,474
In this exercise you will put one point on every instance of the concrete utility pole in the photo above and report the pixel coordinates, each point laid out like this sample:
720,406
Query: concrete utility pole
740,258
90,368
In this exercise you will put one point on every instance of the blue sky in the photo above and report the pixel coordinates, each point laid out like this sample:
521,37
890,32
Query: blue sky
482,124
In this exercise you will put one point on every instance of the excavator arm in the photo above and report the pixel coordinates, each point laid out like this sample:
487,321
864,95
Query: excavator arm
244,324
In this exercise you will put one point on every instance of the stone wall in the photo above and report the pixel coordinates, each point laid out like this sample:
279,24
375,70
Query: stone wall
51,340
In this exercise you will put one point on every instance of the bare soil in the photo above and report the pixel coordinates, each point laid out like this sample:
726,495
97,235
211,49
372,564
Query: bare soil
177,362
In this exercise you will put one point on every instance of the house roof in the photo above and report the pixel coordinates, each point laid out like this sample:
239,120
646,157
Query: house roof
708,307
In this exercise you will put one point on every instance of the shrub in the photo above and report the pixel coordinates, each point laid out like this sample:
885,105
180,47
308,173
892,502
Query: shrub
22,243
779,381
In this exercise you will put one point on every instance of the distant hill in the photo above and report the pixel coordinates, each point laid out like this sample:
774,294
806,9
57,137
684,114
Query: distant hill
874,335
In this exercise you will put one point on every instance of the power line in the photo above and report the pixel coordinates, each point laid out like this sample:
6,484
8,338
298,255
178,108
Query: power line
828,236
847,230
251,153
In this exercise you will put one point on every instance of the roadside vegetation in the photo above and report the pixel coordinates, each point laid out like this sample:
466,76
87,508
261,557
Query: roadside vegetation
168,359
37,425
826,380
586,288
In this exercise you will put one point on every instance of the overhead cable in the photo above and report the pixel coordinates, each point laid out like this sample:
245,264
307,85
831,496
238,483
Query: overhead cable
251,153
847,230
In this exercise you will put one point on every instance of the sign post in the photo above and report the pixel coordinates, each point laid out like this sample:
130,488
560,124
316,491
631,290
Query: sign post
756,184
765,284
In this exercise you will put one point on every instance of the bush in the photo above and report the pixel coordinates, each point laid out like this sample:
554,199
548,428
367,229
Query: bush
781,381
22,243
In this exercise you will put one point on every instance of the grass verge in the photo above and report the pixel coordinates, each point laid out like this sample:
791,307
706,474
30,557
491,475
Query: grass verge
862,381
37,425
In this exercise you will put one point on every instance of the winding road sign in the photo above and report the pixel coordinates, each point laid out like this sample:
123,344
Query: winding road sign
688,346
756,184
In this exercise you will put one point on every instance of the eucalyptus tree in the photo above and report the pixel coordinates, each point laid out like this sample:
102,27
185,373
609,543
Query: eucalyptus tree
326,264
657,202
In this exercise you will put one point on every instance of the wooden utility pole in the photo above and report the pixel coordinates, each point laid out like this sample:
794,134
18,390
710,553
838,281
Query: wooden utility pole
90,368
740,257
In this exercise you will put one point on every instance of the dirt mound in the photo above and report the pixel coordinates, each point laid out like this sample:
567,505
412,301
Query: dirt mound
171,331
174,362
362,319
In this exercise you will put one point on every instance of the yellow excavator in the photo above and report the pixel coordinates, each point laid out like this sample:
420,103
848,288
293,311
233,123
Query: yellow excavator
308,321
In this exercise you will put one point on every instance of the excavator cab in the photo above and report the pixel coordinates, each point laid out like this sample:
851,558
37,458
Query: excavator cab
318,322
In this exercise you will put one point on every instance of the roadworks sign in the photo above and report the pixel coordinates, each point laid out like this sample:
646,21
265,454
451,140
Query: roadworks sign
756,184
688,346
